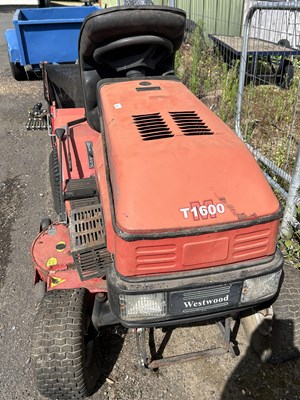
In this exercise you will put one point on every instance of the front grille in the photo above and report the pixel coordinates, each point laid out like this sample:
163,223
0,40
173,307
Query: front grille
92,263
88,242
152,126
155,257
190,123
251,245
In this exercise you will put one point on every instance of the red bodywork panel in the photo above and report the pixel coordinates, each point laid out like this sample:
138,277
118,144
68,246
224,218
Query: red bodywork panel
180,254
166,255
157,183
79,134
180,201
209,187
54,266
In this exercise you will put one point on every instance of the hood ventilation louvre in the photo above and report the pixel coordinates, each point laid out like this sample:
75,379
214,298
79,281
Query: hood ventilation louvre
152,126
190,123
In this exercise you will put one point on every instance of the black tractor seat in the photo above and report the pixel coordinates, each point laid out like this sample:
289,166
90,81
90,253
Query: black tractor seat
127,41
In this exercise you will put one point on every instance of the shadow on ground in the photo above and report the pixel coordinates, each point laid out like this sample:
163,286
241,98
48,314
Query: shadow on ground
256,380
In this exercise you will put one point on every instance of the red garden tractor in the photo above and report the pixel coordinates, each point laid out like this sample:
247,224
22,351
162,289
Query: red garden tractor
164,216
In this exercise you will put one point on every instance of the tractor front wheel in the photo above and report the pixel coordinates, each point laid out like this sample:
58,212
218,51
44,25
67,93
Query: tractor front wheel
65,351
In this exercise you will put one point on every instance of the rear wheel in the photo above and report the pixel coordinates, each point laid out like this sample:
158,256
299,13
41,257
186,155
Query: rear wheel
274,333
44,3
285,75
55,179
65,351
18,71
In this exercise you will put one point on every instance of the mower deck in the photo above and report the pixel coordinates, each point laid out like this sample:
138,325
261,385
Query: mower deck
54,263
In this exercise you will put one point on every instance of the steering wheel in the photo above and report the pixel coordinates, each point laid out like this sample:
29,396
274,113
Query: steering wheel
150,40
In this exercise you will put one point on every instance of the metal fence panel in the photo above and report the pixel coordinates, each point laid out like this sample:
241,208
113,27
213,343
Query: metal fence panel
219,16
271,123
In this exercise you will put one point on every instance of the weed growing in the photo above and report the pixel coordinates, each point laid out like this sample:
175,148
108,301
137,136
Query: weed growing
203,71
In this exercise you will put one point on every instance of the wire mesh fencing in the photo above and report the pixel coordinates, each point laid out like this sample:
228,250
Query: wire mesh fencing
268,105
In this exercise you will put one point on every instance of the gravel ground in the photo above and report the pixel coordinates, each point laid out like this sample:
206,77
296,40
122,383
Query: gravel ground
25,199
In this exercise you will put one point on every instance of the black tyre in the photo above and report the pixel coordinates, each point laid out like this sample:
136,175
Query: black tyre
286,323
285,75
284,43
18,71
39,291
65,351
274,333
44,3
45,223
55,180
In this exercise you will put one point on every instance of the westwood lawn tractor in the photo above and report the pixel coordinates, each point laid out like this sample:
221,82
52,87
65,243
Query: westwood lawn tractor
164,216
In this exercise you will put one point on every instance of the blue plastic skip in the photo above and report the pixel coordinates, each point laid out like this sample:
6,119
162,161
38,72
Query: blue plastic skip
46,34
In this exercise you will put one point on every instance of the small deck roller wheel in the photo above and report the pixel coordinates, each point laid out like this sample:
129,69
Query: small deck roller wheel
65,352
45,223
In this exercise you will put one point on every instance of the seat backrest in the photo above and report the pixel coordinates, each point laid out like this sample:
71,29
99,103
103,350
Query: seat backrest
62,85
123,42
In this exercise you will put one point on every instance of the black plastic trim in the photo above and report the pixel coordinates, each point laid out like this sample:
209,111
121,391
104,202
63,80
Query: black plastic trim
142,79
129,237
202,278
147,89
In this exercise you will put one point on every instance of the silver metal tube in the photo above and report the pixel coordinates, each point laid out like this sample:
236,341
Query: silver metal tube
275,185
290,211
273,167
268,5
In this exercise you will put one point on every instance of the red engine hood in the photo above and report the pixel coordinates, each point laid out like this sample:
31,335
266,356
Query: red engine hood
174,164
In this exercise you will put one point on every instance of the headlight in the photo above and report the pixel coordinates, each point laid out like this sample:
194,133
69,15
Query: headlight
133,306
260,287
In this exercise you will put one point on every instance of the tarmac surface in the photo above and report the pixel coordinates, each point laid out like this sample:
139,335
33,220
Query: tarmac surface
24,200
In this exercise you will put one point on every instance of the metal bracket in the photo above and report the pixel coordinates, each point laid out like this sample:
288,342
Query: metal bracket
225,329
140,335
146,362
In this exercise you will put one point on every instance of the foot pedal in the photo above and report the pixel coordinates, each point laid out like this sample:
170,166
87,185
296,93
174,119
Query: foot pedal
82,192
88,246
